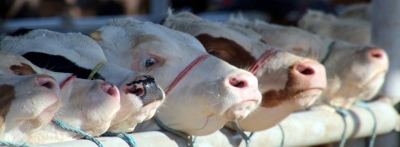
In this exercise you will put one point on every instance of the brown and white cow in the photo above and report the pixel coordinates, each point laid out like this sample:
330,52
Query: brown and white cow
78,54
27,103
350,30
354,72
88,105
288,82
212,92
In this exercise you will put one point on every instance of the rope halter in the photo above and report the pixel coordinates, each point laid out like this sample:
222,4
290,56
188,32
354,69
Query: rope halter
96,69
190,139
262,60
330,46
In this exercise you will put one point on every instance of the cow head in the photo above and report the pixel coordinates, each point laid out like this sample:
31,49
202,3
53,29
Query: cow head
27,103
353,71
284,78
79,54
88,105
212,93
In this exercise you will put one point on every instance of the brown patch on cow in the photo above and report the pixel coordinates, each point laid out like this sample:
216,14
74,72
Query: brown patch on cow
227,50
24,69
293,89
298,49
6,97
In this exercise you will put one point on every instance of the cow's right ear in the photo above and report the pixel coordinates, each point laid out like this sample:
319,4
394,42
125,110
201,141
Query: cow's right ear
96,35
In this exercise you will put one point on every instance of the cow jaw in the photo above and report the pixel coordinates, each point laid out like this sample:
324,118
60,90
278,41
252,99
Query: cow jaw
29,103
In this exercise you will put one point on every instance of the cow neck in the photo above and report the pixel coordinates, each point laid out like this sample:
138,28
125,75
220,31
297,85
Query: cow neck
262,60
191,140
70,128
330,46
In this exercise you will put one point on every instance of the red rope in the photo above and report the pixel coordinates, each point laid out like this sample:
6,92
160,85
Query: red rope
185,71
263,59
67,80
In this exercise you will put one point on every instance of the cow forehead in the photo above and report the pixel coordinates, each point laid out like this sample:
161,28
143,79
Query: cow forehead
144,32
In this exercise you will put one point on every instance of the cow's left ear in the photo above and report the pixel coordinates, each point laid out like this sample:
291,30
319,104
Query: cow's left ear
96,35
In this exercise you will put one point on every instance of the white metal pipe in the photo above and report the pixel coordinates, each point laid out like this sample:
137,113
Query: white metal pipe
301,129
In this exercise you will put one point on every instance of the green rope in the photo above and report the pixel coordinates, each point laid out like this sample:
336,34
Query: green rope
330,46
127,138
95,69
6,143
191,140
374,133
283,135
343,113
244,136
77,131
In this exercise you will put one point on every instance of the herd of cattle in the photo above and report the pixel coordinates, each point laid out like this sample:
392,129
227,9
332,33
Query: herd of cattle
193,75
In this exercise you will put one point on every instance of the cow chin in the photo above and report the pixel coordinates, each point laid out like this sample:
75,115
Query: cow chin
45,116
242,110
308,97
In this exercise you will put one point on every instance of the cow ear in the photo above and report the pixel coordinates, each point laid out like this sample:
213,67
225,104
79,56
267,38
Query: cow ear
96,35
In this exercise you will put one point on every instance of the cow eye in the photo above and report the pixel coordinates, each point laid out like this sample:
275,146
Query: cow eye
213,52
150,62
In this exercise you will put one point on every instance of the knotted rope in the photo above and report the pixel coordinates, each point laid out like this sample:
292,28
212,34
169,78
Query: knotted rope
6,143
77,131
96,69
191,140
127,138
330,46
374,133
241,132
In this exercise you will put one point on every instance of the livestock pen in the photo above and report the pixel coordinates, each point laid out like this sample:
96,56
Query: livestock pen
306,128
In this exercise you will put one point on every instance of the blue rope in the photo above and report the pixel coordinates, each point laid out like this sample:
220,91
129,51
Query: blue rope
191,140
77,131
330,46
127,138
244,136
366,106
6,143
343,113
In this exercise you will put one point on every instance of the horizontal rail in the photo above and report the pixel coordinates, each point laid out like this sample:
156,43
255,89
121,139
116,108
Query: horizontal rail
301,129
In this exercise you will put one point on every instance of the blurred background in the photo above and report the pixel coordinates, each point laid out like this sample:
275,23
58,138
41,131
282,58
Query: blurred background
87,15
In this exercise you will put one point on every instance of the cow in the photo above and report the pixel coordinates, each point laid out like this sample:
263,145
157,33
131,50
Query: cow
203,92
288,82
350,30
27,103
87,105
361,11
354,72
75,53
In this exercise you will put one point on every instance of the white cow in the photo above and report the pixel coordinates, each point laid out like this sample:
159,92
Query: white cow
351,30
354,72
360,11
88,105
78,54
27,103
209,95
288,82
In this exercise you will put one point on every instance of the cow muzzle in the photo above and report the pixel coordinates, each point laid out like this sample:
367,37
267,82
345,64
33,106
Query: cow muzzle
146,89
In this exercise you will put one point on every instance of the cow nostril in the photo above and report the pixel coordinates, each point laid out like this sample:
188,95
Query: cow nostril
305,70
376,53
237,83
136,89
45,81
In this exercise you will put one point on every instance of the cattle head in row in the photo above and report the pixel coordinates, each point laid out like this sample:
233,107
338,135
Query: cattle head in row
354,72
78,54
288,82
88,105
27,103
211,93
